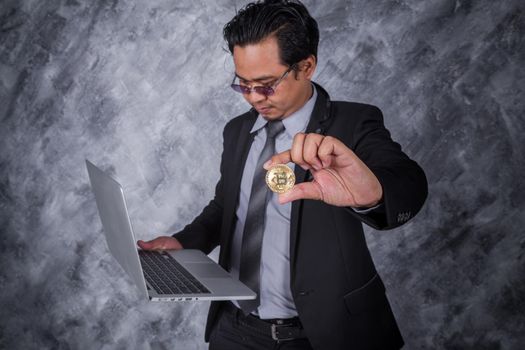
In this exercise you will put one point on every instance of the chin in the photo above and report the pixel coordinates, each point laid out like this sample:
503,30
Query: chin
271,117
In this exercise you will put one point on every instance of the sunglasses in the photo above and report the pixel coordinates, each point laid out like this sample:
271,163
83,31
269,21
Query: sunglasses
262,90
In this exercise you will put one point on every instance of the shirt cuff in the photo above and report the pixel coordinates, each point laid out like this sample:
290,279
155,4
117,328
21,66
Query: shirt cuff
366,210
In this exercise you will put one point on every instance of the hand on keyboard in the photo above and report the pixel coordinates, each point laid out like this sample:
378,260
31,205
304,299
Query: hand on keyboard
161,243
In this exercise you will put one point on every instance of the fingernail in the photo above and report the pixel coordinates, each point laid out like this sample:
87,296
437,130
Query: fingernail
267,164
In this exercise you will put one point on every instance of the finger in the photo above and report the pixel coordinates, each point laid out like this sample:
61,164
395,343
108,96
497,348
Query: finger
280,158
297,150
310,148
154,244
144,245
305,190
330,148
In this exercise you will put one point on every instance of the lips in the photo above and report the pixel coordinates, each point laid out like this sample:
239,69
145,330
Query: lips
263,110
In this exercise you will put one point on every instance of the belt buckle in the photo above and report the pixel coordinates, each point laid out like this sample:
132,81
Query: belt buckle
275,332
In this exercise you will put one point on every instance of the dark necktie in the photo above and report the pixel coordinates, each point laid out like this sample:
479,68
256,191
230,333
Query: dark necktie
254,226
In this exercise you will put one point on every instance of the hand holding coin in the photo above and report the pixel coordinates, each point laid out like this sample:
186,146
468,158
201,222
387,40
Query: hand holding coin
340,177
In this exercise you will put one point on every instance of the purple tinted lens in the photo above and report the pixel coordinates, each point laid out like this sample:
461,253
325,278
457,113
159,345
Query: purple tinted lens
264,90
239,88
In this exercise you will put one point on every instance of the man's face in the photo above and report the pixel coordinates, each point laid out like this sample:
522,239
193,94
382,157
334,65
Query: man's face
258,65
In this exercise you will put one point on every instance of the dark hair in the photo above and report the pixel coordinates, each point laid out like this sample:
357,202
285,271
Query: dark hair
296,31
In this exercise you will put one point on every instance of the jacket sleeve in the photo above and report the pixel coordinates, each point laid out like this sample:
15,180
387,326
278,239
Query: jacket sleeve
402,179
203,232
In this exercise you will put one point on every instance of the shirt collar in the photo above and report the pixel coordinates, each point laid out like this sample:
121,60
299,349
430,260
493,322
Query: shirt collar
295,122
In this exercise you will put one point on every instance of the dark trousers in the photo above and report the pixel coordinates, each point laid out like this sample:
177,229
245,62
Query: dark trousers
231,333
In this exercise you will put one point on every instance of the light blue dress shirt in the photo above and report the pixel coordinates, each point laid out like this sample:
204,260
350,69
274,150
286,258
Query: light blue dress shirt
275,293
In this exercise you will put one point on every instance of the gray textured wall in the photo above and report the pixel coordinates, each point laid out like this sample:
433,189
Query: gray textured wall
140,87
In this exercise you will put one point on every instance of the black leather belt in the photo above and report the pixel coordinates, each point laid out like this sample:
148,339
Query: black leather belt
277,329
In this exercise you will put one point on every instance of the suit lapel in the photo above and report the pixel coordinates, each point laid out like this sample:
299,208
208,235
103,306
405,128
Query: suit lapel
233,186
319,116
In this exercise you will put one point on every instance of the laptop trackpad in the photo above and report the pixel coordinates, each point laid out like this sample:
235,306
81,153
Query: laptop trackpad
207,270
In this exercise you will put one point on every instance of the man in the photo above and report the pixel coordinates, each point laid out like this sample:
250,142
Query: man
303,251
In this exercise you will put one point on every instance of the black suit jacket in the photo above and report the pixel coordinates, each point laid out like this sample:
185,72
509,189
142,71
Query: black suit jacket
338,294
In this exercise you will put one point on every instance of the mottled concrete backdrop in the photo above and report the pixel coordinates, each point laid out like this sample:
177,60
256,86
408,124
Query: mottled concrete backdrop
140,87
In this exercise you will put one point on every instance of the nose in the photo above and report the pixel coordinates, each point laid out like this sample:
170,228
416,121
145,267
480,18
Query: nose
254,97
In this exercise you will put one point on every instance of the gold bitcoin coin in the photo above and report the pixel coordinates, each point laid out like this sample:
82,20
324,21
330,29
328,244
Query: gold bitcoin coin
280,178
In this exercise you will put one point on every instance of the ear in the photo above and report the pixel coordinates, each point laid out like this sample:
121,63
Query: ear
308,66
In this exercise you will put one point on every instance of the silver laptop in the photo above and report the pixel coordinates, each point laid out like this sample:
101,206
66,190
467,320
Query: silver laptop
181,275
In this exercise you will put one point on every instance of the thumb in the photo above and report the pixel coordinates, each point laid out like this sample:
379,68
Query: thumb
146,245
305,190
281,158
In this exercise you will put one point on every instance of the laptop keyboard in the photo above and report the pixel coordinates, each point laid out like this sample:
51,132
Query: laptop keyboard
167,276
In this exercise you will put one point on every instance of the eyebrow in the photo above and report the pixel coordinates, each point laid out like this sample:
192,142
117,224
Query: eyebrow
264,77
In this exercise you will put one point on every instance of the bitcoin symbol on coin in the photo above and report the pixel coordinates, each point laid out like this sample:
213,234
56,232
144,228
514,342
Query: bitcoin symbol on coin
280,178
